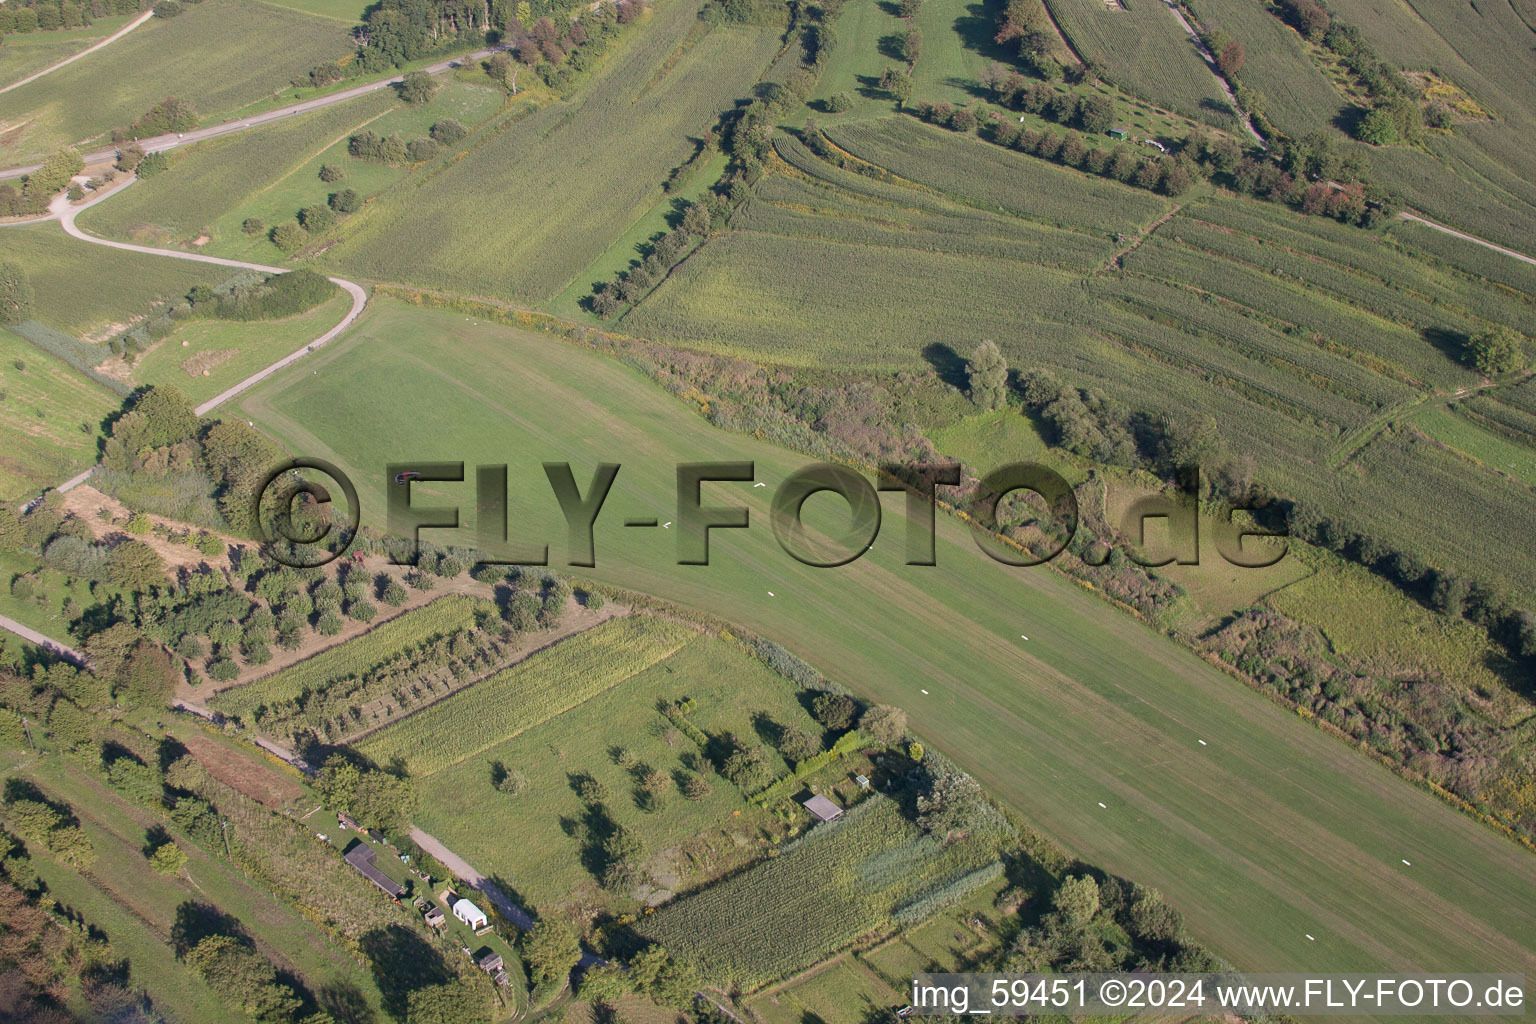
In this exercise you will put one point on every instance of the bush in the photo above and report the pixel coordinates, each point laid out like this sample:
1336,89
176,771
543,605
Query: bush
317,218
346,201
153,164
330,173
448,131
289,237
840,102
253,226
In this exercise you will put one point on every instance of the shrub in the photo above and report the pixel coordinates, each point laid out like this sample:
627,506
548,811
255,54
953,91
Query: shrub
253,226
346,201
330,173
289,237
316,218
448,131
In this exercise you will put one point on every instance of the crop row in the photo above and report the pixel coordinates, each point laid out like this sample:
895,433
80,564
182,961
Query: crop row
1379,279
995,178
356,657
874,225
1327,383
527,694
820,893
1392,349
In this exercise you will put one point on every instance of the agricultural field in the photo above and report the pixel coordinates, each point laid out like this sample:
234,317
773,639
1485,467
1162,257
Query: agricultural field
688,840
441,617
524,696
582,171
50,418
123,286
1298,97
1144,50
1093,708
219,57
818,893
26,53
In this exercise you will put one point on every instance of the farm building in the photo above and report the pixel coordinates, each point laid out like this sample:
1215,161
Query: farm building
822,809
1118,133
470,914
361,858
489,961
434,917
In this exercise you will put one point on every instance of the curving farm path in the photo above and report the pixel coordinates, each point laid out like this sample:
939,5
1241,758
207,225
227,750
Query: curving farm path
65,213
114,37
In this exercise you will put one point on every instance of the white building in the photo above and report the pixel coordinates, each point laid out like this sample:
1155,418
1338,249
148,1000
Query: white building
470,914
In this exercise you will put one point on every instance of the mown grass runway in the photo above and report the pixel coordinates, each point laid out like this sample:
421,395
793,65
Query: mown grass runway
1268,832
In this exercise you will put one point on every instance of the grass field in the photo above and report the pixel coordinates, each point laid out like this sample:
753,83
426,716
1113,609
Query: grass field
1270,831
350,11
219,57
26,53
1497,454
50,418
839,881
1365,617
545,864
563,183
44,612
1146,52
203,357
524,696
439,618
122,286
843,992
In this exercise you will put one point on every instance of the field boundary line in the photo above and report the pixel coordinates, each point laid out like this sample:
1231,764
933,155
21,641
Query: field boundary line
114,37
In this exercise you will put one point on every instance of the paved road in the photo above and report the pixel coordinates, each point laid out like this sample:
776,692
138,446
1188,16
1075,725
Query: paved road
65,213
1470,238
161,143
114,37
49,644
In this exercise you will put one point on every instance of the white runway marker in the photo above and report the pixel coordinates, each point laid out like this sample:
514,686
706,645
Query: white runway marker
1023,637
759,484
1405,862
770,593
667,525
1104,805
925,691
1204,744
1311,939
